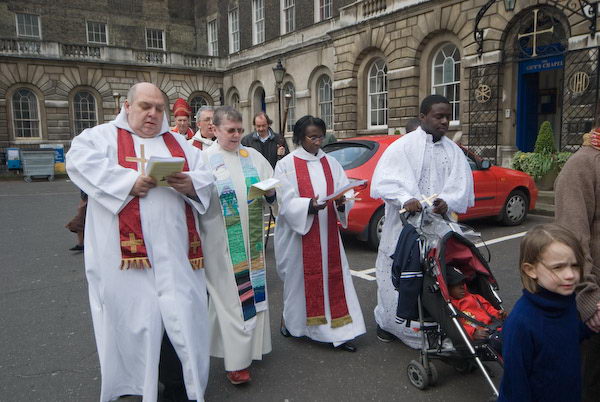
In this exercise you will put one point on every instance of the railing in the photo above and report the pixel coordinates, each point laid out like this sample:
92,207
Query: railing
81,51
111,54
198,61
373,7
17,46
152,57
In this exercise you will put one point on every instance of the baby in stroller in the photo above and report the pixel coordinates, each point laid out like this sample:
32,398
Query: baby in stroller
479,318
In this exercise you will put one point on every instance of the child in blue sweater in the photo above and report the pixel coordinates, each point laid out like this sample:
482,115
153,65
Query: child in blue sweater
542,333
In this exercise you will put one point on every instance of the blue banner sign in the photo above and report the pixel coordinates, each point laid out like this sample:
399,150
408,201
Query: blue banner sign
541,64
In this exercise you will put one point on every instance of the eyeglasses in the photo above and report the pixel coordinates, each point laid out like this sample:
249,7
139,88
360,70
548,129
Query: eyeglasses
316,138
235,130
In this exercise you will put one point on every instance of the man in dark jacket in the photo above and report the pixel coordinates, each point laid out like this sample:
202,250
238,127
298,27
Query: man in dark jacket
270,144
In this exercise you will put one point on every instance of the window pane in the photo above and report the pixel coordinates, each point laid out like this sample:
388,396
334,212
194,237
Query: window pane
449,70
28,25
84,106
96,32
291,117
377,91
446,76
25,114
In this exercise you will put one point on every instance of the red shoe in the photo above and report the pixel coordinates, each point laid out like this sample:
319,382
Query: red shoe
239,376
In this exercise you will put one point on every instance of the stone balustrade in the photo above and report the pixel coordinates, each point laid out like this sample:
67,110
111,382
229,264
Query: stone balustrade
109,54
373,7
365,9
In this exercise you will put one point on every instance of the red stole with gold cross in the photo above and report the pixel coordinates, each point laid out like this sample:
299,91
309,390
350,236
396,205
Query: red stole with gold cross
133,248
312,257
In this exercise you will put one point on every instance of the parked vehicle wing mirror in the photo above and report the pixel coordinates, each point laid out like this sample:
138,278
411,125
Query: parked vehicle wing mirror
485,164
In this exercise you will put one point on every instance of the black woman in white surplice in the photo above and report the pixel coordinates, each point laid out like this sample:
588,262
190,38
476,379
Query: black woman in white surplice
319,298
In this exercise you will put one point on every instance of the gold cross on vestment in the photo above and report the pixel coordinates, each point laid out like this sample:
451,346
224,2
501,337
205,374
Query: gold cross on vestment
132,243
535,32
195,245
142,160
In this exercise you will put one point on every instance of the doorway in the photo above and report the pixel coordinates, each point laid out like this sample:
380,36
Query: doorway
539,91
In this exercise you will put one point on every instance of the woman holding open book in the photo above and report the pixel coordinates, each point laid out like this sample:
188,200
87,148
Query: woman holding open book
319,298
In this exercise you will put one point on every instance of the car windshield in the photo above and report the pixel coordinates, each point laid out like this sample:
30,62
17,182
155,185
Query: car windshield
351,154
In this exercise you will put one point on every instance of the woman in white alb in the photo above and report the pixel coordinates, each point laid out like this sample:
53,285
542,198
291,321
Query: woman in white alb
319,298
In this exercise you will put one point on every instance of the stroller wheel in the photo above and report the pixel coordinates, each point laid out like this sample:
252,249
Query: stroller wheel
433,374
464,366
417,375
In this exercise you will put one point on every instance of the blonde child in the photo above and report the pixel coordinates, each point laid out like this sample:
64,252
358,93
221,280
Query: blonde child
542,333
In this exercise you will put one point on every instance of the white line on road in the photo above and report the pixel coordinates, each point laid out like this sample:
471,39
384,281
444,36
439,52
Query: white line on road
501,239
366,273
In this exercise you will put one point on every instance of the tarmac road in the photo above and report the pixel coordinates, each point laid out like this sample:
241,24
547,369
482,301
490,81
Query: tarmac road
49,352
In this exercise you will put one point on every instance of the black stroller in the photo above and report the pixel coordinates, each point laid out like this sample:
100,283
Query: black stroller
442,243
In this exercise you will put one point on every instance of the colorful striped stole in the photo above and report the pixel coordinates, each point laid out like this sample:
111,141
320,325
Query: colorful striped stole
249,270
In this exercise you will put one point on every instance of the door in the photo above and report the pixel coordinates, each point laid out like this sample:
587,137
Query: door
527,118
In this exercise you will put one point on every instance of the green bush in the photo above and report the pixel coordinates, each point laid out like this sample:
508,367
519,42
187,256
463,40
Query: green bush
544,158
561,159
534,164
544,144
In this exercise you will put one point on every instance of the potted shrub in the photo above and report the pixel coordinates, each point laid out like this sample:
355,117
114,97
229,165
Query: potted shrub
544,163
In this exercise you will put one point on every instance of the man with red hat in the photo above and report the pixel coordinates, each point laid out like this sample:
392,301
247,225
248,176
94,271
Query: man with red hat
182,113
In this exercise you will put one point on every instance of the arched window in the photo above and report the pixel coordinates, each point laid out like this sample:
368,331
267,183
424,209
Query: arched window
446,77
325,100
84,111
377,110
26,118
196,103
235,101
288,89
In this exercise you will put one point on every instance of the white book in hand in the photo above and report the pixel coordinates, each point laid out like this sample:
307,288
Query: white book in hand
160,167
352,184
259,189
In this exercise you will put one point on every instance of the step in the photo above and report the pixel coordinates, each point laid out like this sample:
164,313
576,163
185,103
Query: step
542,208
546,197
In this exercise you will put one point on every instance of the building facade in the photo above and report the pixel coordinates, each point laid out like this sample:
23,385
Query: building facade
363,66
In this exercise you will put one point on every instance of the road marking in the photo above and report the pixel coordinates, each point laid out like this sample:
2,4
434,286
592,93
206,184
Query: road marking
366,273
501,239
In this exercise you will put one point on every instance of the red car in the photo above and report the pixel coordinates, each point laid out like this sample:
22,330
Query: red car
505,193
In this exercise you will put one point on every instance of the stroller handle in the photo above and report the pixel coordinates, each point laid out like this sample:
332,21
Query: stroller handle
404,215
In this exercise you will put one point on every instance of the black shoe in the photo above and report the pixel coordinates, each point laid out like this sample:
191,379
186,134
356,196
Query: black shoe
284,331
76,247
385,336
346,346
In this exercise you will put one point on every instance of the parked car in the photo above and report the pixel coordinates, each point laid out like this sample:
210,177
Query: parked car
505,193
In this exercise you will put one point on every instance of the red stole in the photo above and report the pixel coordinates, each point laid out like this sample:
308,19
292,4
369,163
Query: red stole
312,257
197,144
188,135
133,248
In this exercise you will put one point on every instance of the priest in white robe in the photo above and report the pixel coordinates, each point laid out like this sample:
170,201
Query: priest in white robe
232,232
205,135
143,255
319,300
420,164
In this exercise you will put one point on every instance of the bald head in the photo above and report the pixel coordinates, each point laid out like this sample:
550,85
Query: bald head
145,108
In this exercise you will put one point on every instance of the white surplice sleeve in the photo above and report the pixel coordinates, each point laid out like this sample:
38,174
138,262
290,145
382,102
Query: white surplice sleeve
340,180
293,209
458,188
202,177
92,169
394,180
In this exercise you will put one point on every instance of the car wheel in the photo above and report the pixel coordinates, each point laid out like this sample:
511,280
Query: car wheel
515,208
375,228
